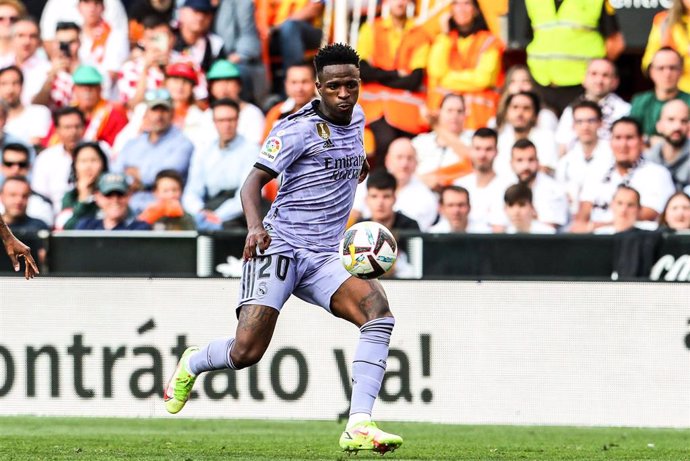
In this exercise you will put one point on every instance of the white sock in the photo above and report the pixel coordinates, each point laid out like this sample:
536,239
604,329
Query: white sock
356,418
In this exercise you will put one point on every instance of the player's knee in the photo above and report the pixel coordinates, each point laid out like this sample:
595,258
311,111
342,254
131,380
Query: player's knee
375,306
244,356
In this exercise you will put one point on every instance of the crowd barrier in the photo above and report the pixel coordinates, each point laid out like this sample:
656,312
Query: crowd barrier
629,256
555,353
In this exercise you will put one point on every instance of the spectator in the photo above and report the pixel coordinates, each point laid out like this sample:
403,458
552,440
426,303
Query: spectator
224,82
601,80
5,137
104,120
50,176
137,10
300,89
466,58
673,152
676,214
236,25
14,197
56,11
296,29
391,95
519,79
193,36
112,197
161,146
443,154
218,171
16,161
454,211
665,71
548,196
625,209
652,181
565,36
90,162
381,198
520,123
588,152
484,186
30,123
10,12
166,213
669,28
521,213
58,86
102,46
146,70
414,199
26,43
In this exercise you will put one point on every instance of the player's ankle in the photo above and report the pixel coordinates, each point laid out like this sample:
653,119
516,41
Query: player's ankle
356,418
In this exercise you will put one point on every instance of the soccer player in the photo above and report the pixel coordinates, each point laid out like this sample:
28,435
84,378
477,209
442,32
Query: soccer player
319,151
16,249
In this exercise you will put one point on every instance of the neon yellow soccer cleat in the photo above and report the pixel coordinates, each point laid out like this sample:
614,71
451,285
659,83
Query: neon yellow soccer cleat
366,436
179,387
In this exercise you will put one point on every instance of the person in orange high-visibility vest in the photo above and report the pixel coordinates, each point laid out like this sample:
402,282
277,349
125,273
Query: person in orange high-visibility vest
392,64
466,59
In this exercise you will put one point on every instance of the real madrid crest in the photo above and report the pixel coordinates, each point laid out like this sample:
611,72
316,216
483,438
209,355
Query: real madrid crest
323,131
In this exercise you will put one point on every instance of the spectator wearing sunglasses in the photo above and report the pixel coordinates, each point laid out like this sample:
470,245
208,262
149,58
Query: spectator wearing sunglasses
16,161
112,197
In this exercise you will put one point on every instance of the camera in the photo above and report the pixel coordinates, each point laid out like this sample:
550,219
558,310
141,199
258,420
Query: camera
65,49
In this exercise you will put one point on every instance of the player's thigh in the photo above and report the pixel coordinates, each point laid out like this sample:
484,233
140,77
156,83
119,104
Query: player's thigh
360,301
322,275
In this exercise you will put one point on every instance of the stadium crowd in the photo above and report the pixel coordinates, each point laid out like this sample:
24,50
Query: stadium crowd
149,114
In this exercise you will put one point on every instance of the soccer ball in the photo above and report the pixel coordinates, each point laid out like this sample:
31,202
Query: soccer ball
368,250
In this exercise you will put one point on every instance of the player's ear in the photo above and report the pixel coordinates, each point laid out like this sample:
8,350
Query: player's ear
318,87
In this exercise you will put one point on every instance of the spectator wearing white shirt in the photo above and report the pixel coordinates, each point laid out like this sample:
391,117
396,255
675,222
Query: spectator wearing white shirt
29,57
413,197
56,11
484,186
454,213
588,152
29,123
51,172
548,196
600,82
218,171
443,153
521,213
102,45
652,181
521,118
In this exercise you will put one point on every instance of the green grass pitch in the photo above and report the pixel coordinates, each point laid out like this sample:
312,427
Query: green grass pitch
44,438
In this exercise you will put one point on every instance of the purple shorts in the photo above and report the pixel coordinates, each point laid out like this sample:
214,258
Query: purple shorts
313,277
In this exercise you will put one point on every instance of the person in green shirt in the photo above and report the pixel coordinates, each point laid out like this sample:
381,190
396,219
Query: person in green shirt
665,71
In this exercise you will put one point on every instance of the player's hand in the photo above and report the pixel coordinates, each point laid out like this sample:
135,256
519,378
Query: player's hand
15,250
256,238
365,171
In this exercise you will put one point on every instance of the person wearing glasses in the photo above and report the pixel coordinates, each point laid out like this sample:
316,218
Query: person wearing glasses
16,161
10,12
665,71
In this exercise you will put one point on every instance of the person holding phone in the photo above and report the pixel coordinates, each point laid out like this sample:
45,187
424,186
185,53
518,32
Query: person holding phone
58,86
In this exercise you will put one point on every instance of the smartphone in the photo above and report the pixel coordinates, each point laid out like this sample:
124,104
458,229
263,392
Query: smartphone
65,49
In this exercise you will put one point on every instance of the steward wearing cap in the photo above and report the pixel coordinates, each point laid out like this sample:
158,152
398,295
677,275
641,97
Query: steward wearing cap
112,197
104,119
224,82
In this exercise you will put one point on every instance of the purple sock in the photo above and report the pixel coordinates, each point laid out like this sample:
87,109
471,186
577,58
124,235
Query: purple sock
215,356
369,363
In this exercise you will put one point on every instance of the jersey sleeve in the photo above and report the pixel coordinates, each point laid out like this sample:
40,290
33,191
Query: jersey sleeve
282,147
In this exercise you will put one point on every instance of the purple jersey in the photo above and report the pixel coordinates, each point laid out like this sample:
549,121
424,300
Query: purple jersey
320,162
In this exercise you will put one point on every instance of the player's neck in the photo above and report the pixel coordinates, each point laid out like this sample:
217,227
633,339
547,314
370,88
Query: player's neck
319,110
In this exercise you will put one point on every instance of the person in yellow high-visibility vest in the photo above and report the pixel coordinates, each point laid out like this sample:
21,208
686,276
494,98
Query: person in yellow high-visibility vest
565,36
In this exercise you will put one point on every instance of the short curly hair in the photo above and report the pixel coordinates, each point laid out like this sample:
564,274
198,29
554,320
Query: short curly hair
334,54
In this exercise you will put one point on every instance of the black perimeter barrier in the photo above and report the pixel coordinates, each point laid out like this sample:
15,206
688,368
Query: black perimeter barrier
627,256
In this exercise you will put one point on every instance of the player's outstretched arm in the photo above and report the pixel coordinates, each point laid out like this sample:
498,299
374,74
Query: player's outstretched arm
16,249
251,204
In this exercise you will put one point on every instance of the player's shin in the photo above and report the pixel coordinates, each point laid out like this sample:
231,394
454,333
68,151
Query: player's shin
369,366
